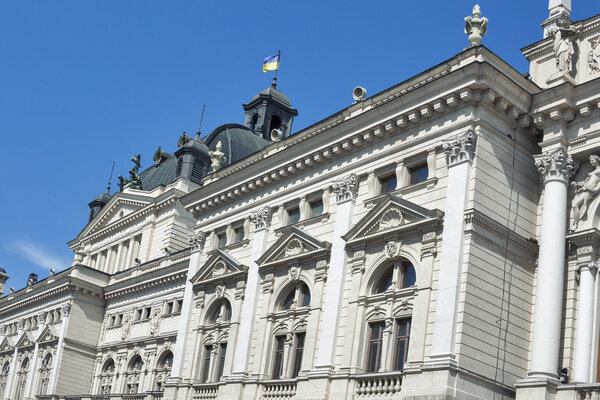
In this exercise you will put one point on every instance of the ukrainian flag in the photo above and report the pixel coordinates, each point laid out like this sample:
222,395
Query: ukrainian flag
271,63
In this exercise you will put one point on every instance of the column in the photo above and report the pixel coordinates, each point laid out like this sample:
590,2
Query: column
585,322
33,372
556,168
460,151
196,242
261,220
345,194
65,313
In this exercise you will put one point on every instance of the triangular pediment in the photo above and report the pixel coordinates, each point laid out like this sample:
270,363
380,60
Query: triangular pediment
389,214
219,265
26,340
118,207
49,334
293,243
7,345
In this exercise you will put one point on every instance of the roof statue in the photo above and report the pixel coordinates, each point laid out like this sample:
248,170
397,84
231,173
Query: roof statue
217,157
563,48
160,156
122,182
475,26
183,140
134,176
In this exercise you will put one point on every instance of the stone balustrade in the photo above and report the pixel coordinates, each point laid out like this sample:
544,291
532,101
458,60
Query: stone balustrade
588,393
206,391
279,389
381,385
136,396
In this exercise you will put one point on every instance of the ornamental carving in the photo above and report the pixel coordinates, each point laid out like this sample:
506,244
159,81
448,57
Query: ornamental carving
261,218
294,273
475,26
66,309
555,165
154,322
346,189
392,218
460,148
196,240
219,269
126,328
392,249
294,247
594,55
220,291
563,49
585,191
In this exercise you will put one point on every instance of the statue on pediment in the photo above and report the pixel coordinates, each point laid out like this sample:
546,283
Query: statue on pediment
134,176
585,191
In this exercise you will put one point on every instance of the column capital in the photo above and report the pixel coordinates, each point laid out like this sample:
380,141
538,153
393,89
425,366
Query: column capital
460,148
196,241
556,165
345,189
261,218
591,266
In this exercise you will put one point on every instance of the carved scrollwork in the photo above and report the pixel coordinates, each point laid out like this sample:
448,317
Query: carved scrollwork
261,218
460,148
294,247
346,189
196,240
392,218
219,269
555,165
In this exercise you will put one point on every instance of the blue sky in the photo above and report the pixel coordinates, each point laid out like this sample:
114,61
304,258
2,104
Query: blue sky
86,83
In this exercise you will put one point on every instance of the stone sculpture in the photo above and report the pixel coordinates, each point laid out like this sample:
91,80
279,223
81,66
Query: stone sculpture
585,191
217,157
563,48
475,26
134,177
594,55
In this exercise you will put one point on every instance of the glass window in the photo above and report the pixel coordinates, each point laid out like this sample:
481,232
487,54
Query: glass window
402,339
288,301
222,310
418,173
316,208
388,183
409,276
298,294
303,295
239,234
206,364
167,361
222,240
221,366
298,351
385,281
374,346
293,215
278,357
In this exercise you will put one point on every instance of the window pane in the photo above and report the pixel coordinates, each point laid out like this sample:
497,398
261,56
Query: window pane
418,174
384,282
388,184
374,347
222,352
316,208
239,235
304,299
409,276
298,354
278,359
402,340
294,215
206,364
222,240
289,300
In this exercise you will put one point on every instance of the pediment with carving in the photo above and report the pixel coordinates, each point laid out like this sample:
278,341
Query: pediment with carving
392,214
26,340
7,345
293,244
49,334
220,265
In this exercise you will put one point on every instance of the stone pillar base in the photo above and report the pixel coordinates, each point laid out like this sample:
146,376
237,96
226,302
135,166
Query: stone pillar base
535,388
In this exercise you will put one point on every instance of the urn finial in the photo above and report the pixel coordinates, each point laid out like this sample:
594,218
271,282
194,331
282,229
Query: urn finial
475,26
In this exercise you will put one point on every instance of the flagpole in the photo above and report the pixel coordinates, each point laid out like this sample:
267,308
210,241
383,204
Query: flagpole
274,84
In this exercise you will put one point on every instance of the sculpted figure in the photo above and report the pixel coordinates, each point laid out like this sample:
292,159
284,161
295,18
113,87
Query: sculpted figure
585,191
217,157
563,49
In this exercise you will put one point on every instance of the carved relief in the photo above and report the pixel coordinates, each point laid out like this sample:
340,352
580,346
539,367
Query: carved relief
220,291
294,273
219,269
555,165
267,283
294,247
126,328
392,218
261,218
460,148
563,49
346,189
594,55
392,249
585,191
196,240
154,322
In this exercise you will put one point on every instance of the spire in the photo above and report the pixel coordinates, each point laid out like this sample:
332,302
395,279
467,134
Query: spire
559,13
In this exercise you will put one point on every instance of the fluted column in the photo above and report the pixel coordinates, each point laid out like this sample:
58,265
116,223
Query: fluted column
585,322
460,151
556,168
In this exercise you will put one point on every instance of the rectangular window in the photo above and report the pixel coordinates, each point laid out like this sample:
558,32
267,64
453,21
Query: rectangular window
137,315
169,308
374,346
221,366
418,173
388,183
113,320
298,351
293,215
222,240
316,208
278,359
206,364
146,313
402,339
239,234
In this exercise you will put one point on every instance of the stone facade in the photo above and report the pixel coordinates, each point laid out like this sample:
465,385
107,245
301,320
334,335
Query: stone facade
438,240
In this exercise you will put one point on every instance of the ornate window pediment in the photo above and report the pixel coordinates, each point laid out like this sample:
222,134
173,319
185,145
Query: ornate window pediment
49,334
218,266
26,340
392,214
293,244
7,345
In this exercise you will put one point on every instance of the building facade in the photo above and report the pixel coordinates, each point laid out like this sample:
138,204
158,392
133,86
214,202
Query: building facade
438,240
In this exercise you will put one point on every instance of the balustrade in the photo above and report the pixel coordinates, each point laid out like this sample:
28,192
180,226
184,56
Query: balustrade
206,391
280,389
378,385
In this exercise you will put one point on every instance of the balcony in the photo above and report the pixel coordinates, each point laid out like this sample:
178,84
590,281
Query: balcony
279,389
379,385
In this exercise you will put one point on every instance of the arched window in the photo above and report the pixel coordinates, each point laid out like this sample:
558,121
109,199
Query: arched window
22,379
254,121
134,370
214,351
275,123
297,296
4,378
403,274
107,377
45,369
220,312
163,370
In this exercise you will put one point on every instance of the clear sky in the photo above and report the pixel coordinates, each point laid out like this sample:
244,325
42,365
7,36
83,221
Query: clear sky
85,83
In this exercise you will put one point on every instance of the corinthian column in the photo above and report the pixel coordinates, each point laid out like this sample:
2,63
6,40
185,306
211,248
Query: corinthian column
556,168
460,151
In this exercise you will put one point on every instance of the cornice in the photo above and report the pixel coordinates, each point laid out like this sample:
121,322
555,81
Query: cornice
150,284
478,91
398,233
